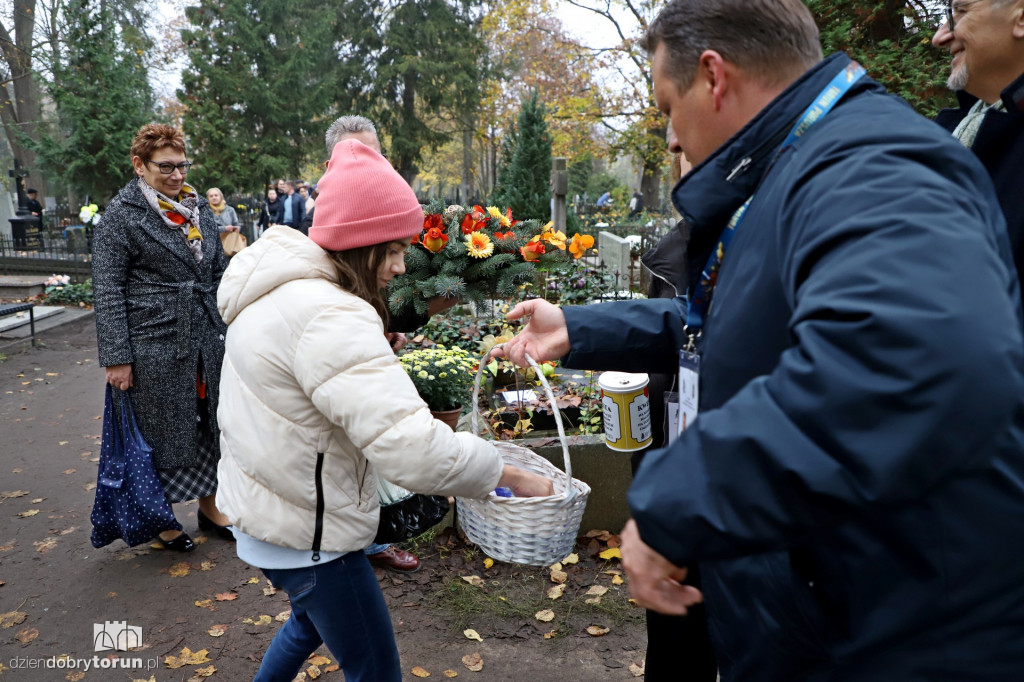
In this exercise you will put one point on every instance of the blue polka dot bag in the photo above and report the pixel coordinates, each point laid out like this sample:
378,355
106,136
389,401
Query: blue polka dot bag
130,502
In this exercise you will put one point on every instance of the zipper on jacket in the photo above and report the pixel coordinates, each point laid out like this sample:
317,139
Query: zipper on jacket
760,152
318,530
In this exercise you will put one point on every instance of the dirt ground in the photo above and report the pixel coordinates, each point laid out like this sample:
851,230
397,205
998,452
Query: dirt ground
56,590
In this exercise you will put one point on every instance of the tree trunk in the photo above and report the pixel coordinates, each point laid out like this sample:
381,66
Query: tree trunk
21,115
650,183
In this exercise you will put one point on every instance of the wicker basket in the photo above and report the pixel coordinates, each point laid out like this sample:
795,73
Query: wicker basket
537,531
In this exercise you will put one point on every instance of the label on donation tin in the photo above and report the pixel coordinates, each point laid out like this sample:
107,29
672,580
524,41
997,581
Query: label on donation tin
627,411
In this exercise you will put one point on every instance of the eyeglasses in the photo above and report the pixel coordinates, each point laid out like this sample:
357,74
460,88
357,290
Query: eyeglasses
166,167
954,8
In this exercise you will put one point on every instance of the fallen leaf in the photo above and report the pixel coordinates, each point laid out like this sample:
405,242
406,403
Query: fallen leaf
262,620
420,672
593,600
557,566
597,590
488,562
44,546
549,635
556,592
601,535
474,580
637,670
63,442
470,634
597,630
66,531
617,580
613,553
613,571
179,570
270,591
473,661
614,541
12,618
75,676
111,595
200,673
187,657
332,668
13,494
450,673
226,596
207,566
217,630
27,513
252,581
283,616
545,616
313,672
317,659
17,471
571,559
204,603
38,500
152,678
52,374
559,576
27,635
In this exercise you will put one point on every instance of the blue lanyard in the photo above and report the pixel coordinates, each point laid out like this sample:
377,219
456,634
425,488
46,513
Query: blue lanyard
700,301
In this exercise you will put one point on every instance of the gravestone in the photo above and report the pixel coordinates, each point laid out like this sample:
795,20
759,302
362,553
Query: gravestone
615,254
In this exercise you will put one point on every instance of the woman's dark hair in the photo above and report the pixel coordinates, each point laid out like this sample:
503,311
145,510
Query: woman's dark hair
357,274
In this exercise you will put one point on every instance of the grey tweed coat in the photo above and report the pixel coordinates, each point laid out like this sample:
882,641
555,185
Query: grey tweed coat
156,308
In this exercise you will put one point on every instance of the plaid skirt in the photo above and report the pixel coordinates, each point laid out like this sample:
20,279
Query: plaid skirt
182,484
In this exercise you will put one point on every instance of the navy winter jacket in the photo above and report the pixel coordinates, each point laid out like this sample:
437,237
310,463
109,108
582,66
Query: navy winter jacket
999,145
854,486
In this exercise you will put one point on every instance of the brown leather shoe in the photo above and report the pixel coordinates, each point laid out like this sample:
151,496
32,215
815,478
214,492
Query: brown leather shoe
396,560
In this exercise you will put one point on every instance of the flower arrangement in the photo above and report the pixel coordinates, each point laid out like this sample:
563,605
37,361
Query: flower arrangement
443,376
473,253
89,214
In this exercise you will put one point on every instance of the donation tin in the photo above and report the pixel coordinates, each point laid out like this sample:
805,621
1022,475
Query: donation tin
627,411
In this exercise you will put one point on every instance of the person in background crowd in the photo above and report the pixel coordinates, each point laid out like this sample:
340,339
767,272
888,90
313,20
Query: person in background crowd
293,211
310,202
157,262
853,486
272,210
325,405
227,219
986,39
34,207
636,204
604,201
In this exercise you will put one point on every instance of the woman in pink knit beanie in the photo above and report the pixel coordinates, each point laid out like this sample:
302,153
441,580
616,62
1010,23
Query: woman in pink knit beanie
320,405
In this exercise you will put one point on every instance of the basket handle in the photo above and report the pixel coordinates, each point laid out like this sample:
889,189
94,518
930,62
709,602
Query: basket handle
570,490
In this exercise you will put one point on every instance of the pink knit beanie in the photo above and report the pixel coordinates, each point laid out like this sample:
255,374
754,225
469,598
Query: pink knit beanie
363,201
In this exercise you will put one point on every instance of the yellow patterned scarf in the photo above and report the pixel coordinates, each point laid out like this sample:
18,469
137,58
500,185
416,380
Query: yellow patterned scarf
180,214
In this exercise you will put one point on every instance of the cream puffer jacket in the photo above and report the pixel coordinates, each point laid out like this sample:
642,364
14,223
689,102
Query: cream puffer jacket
314,401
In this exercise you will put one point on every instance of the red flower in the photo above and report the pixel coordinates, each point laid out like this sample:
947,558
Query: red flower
175,217
505,235
478,214
468,224
416,239
435,239
432,221
531,252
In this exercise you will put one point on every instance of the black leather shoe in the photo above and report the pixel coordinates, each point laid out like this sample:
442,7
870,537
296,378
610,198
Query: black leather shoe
182,543
223,532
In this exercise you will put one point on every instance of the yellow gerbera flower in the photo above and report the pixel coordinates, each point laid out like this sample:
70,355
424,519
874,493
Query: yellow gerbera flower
505,220
479,245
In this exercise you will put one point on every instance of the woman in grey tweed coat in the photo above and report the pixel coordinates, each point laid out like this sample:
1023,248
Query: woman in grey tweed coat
157,263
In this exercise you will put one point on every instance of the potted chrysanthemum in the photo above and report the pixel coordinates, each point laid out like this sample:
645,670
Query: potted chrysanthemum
443,377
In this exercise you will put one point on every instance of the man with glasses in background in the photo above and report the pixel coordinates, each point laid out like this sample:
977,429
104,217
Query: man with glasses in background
986,41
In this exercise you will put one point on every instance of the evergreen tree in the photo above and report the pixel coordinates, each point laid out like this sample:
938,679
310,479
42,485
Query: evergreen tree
102,97
525,185
427,76
261,80
892,40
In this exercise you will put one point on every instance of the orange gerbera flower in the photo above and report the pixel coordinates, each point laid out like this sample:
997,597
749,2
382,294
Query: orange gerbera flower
479,245
579,245
434,240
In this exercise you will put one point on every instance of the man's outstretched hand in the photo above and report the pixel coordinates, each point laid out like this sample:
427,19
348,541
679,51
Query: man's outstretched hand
545,336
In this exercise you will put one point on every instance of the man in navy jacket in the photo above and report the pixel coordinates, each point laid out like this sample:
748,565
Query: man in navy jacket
986,40
853,487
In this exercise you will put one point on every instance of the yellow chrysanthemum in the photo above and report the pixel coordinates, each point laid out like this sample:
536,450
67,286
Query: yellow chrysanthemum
503,219
479,245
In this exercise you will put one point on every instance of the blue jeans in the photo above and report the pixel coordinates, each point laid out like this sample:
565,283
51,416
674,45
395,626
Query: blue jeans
376,548
339,604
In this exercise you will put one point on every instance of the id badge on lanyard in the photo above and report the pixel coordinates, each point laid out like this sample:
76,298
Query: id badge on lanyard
689,389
